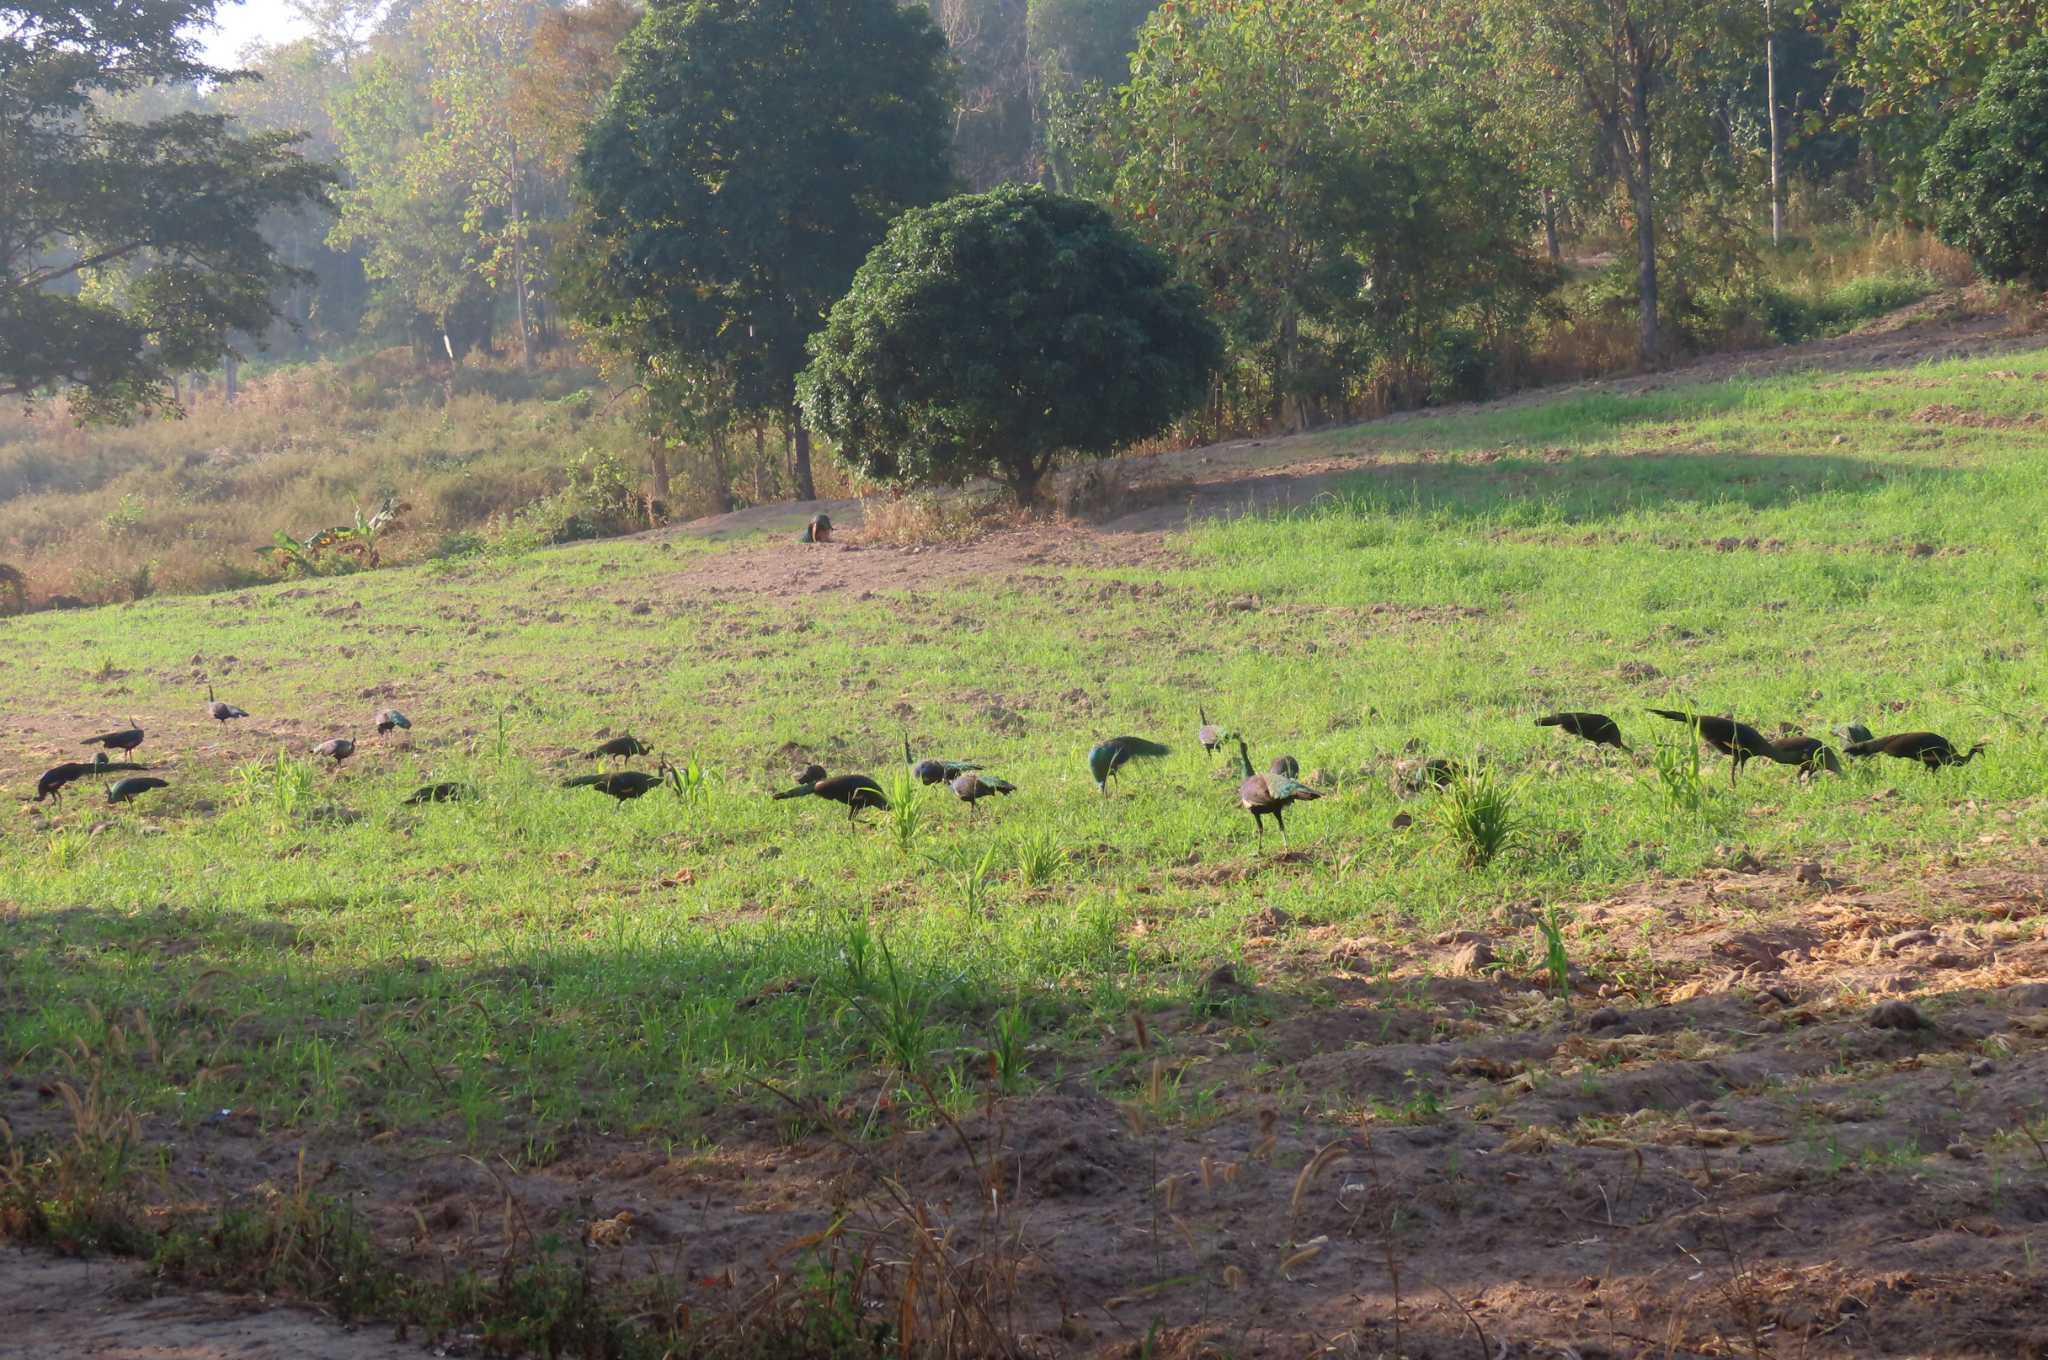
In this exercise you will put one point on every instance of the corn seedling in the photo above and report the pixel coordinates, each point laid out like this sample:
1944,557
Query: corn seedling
1557,963
1475,815
906,815
1678,772
1040,857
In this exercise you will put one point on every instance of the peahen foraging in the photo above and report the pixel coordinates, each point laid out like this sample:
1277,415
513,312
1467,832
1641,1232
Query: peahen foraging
220,711
133,787
1811,755
624,748
1597,728
935,771
1210,735
441,793
127,739
970,787
856,791
1285,765
52,781
337,750
625,784
1106,758
1269,795
1929,748
819,530
1737,740
389,718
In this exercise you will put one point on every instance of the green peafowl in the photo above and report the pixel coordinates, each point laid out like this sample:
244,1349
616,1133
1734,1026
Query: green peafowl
1106,758
390,718
126,739
1210,735
1597,728
624,748
1286,766
1738,741
819,530
1269,795
133,787
222,712
1931,749
441,793
337,750
856,791
970,787
1812,756
935,771
625,784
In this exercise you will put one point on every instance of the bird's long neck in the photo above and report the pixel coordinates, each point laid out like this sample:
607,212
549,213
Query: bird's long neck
1203,714
906,752
1244,760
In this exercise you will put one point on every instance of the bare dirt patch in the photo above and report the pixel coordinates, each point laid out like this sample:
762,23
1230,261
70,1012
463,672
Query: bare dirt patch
63,1309
1724,1140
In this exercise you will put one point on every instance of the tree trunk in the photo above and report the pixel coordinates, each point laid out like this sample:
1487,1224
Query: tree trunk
232,367
1771,95
806,489
519,270
657,466
1024,483
1642,189
1550,240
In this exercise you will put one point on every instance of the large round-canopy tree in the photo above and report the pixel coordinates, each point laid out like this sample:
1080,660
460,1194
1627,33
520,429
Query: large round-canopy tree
1987,178
751,154
992,333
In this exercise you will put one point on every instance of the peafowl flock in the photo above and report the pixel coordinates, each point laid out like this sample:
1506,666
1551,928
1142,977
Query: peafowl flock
627,784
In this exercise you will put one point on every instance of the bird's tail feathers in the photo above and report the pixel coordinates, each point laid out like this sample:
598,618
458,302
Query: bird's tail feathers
1138,746
800,791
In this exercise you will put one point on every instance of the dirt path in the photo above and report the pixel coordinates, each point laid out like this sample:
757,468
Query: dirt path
56,1308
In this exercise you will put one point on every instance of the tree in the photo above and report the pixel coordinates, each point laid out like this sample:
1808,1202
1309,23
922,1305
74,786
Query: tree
1318,173
1632,63
1988,175
1914,63
752,153
992,333
129,249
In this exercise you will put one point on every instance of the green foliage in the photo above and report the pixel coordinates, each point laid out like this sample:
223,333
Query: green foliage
1040,857
1476,816
129,249
993,333
907,813
1677,762
1557,960
1317,171
1988,175
751,154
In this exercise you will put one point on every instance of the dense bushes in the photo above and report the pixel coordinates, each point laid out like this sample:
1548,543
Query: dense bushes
1988,175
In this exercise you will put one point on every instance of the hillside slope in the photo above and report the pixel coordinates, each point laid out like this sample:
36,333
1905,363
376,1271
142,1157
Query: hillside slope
1624,1083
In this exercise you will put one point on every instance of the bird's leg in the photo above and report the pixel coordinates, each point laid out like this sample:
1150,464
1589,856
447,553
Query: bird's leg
1282,819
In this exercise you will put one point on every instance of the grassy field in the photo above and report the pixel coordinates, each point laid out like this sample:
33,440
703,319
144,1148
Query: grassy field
539,974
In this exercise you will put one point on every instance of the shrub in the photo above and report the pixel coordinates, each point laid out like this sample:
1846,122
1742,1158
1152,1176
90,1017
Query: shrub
993,333
1988,175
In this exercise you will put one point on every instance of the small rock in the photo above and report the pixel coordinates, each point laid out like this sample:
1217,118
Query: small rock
1899,1015
1983,1067
1961,1150
1810,874
1607,1017
1908,939
1923,550
1782,995
1320,778
1472,958
1402,821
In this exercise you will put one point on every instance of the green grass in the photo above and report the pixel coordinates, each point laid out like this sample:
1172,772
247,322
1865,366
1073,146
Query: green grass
514,973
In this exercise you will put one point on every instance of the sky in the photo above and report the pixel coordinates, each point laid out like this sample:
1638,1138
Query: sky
236,25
